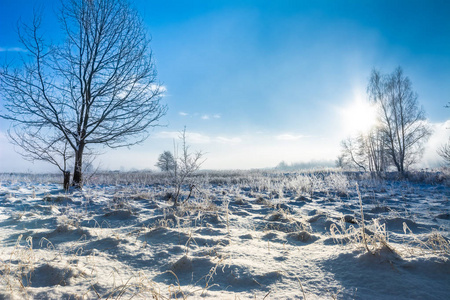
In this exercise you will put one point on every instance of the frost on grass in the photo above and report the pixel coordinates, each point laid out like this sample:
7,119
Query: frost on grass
236,235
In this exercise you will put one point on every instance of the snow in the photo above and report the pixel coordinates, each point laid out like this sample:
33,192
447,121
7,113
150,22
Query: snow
242,235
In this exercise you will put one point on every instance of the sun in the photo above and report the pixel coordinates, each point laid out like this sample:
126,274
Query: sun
358,117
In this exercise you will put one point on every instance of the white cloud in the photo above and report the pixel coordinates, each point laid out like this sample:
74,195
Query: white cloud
167,135
289,137
182,113
12,49
209,116
150,88
197,138
191,137
162,88
230,141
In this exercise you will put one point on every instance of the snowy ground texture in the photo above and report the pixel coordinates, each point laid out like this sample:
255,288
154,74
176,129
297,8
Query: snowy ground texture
242,235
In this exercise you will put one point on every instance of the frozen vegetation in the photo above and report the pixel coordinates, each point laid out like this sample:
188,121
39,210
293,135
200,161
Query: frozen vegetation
240,235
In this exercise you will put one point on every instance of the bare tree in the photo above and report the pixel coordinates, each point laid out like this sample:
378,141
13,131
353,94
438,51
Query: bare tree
366,151
97,88
340,161
351,154
444,152
37,145
402,121
374,147
166,161
185,166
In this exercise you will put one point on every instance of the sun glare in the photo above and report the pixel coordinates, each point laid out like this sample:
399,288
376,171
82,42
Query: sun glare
358,117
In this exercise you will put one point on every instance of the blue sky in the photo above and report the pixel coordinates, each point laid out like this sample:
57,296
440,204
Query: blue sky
258,82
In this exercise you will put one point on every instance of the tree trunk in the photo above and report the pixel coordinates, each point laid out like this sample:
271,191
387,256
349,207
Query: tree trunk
78,170
66,180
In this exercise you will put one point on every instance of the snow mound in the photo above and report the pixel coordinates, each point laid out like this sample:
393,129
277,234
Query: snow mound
380,209
397,225
60,199
48,275
184,264
121,214
303,236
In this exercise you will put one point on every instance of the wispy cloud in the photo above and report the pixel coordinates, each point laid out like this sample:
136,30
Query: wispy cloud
12,49
203,116
232,141
199,138
289,137
191,137
167,135
209,116
162,88
152,88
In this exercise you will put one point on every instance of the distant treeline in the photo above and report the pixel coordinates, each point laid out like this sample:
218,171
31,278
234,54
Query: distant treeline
313,164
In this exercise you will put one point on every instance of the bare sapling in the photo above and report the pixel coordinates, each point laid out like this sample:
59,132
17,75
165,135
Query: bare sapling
183,167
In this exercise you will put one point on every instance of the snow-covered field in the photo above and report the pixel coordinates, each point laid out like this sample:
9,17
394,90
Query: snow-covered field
243,235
